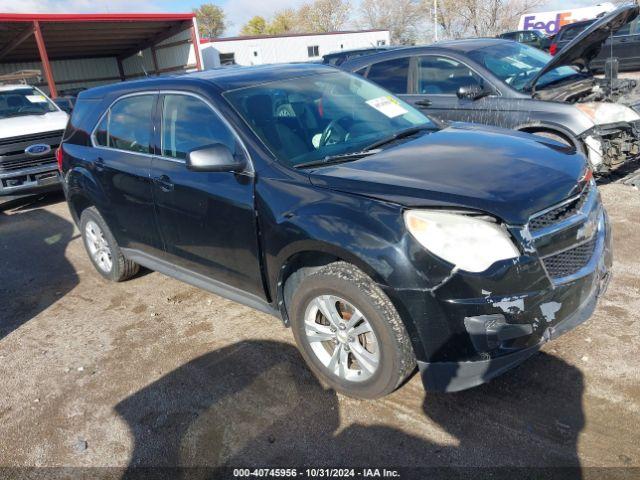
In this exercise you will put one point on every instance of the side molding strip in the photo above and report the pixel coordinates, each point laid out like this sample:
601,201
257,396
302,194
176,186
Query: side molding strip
200,281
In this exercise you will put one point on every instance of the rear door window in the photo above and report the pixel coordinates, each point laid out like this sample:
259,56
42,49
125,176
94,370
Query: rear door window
127,125
391,74
444,76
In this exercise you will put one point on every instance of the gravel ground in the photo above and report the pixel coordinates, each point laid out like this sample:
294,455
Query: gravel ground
153,372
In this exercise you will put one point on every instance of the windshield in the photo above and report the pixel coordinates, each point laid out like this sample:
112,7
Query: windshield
24,101
517,64
306,119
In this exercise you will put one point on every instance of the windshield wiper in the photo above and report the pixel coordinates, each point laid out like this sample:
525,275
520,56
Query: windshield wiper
369,150
407,132
333,159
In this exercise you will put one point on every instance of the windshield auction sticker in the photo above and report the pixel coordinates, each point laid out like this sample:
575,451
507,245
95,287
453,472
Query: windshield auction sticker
388,106
36,98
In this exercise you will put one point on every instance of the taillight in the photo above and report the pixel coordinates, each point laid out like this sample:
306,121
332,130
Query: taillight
553,48
59,154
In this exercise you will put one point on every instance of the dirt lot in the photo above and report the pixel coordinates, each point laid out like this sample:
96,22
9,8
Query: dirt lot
153,372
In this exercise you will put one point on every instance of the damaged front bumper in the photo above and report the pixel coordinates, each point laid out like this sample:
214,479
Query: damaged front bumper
476,326
610,146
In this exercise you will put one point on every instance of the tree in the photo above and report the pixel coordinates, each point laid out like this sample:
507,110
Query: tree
481,18
283,21
323,15
256,26
401,17
211,20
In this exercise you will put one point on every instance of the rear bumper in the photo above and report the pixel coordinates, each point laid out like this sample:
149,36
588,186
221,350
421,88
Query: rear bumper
30,180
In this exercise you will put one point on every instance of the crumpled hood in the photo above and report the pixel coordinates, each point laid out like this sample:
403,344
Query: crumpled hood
29,124
508,174
587,45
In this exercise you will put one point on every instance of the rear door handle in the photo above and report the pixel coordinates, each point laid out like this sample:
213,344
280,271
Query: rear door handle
99,164
424,103
165,183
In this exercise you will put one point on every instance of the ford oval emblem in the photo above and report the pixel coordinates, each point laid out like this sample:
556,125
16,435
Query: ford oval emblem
37,150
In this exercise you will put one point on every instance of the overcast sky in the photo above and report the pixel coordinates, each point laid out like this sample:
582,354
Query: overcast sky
238,11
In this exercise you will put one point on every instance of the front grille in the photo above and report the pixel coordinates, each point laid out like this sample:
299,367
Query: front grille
12,150
559,213
570,261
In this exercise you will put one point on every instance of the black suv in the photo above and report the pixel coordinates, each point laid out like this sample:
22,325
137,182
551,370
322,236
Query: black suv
383,239
623,44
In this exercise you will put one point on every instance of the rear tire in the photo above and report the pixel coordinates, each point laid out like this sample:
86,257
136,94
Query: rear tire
364,350
102,248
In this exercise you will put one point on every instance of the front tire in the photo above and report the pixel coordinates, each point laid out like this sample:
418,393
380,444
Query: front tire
349,332
103,249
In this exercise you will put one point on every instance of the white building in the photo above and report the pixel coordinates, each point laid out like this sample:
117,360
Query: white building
301,47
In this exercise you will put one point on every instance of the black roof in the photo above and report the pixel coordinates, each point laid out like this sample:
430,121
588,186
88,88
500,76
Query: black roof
469,44
337,53
222,79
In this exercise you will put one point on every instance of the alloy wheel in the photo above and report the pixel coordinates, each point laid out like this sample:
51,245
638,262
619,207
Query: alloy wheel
341,338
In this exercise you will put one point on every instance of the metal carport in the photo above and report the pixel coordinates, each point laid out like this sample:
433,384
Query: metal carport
91,49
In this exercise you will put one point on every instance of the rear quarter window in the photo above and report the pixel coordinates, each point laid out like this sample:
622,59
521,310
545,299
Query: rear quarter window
83,117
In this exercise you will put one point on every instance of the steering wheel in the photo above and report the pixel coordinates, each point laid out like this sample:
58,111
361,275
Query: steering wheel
328,130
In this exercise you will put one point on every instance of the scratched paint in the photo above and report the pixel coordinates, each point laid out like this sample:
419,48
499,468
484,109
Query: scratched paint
549,310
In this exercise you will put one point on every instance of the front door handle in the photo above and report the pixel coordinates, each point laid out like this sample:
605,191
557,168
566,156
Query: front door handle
424,103
165,183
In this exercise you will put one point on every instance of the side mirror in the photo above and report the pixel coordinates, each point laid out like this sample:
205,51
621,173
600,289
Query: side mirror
473,92
214,158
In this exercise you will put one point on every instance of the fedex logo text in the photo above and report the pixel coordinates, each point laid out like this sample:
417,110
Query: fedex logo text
552,26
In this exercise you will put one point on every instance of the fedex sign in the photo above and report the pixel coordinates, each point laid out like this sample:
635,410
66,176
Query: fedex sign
550,22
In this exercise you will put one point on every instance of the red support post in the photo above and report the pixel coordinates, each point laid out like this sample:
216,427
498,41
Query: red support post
196,44
44,58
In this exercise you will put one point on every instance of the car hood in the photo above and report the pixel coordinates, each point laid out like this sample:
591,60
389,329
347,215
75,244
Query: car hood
30,124
507,174
587,45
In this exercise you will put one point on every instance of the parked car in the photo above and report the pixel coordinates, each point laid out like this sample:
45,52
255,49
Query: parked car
623,44
31,128
507,84
533,38
338,58
383,239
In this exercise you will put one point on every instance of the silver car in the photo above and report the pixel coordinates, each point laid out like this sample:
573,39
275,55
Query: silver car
507,84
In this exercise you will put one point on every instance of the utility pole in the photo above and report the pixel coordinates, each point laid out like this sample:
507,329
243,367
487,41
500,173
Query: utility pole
435,20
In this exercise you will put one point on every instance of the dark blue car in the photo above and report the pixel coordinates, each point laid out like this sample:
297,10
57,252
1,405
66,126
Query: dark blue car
386,240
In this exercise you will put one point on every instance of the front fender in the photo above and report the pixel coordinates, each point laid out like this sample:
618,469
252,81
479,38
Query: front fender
299,218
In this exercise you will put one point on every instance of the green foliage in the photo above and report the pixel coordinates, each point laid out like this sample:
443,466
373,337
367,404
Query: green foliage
211,20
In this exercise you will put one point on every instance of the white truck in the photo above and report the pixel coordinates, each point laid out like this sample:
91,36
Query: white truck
31,127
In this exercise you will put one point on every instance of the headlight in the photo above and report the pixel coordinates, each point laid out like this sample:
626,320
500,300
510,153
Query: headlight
470,243
603,113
